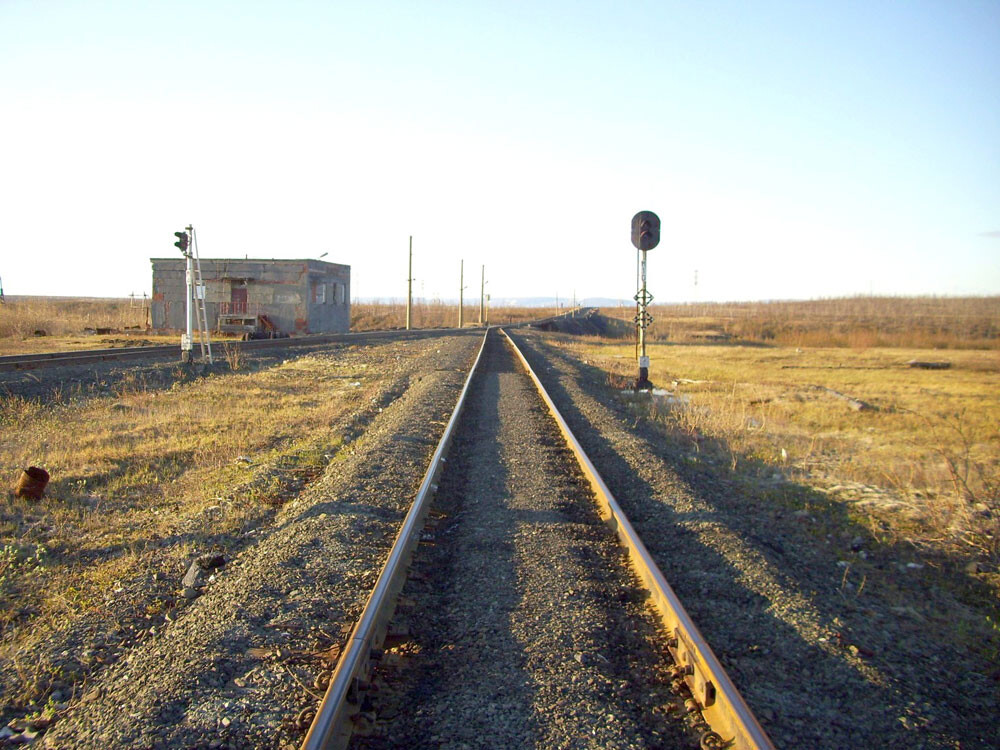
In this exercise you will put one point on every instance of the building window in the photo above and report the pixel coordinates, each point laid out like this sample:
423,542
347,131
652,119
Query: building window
319,293
341,291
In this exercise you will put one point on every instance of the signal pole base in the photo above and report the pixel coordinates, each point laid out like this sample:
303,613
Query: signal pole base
642,382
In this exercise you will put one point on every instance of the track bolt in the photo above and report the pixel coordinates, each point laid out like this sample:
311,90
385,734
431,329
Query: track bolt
305,718
322,681
711,741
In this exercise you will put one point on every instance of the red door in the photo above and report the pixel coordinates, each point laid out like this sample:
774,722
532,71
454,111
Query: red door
238,299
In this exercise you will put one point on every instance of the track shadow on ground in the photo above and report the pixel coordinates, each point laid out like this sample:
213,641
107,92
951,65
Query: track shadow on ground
867,680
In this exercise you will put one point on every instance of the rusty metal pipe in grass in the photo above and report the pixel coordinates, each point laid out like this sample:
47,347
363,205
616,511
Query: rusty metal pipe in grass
31,484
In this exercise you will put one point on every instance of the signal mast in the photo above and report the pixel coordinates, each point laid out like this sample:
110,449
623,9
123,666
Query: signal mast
645,236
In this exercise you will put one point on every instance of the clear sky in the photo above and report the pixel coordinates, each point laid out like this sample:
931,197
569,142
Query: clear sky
792,150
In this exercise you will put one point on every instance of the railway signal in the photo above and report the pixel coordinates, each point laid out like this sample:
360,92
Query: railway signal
195,304
645,236
645,230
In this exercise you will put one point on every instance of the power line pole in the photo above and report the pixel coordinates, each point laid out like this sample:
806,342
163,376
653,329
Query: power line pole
409,287
461,290
482,295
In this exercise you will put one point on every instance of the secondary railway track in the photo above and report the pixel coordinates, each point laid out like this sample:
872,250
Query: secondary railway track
520,626
92,356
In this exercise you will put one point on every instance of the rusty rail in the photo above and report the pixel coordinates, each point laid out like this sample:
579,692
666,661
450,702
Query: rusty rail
722,706
331,727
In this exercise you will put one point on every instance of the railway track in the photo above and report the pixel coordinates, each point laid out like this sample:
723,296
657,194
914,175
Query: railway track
523,621
13,362
92,356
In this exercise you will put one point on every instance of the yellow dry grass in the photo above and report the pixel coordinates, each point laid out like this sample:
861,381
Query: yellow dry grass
154,476
926,458
30,325
369,316
856,322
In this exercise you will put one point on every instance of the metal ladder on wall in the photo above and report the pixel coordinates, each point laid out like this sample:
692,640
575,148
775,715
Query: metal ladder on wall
200,313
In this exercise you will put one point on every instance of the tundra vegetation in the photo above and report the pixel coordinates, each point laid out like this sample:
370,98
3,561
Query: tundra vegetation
824,391
30,325
145,477
816,408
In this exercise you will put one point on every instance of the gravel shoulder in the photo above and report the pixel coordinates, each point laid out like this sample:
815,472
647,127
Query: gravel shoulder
828,652
237,665
525,626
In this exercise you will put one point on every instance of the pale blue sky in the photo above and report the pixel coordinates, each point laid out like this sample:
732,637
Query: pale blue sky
792,150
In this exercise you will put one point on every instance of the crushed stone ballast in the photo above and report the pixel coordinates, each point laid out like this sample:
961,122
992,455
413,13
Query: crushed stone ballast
714,708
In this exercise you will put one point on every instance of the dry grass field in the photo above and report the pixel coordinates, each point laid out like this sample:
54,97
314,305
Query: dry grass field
30,325
370,316
855,322
143,478
842,438
916,450
752,392
759,383
764,387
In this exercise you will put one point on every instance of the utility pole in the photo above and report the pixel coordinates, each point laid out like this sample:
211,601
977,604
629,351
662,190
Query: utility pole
461,291
409,287
482,295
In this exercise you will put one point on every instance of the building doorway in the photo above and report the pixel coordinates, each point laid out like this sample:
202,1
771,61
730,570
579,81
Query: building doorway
238,299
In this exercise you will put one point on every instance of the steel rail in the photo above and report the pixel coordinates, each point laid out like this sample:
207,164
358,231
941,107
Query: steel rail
721,704
331,727
91,356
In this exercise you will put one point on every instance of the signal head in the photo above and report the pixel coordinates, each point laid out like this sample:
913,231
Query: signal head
645,230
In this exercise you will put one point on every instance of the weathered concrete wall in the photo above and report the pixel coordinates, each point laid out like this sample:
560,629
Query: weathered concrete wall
299,296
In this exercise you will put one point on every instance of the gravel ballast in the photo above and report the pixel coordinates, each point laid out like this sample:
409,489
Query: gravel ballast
238,665
525,627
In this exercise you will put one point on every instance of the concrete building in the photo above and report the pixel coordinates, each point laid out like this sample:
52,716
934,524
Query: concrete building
283,296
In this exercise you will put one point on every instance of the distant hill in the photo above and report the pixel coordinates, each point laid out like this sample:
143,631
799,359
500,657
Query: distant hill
513,301
563,302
